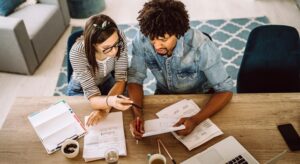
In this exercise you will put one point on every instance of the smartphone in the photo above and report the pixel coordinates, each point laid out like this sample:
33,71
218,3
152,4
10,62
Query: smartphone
290,136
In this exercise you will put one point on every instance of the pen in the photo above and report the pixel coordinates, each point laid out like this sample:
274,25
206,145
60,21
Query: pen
137,127
133,104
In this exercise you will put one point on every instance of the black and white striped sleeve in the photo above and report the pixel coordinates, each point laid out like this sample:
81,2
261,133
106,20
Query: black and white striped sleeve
122,62
82,71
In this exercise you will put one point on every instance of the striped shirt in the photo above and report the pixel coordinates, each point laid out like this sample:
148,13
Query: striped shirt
82,70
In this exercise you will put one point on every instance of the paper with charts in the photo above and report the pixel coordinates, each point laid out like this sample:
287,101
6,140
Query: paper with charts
160,125
56,124
202,133
108,133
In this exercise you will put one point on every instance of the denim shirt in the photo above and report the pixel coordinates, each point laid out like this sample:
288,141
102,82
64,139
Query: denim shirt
194,67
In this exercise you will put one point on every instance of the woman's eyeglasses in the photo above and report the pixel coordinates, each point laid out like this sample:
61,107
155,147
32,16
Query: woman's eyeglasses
109,49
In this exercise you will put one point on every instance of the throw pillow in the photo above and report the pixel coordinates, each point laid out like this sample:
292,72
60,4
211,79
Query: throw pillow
8,6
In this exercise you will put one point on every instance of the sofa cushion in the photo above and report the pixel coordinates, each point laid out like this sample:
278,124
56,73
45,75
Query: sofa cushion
25,4
8,6
35,17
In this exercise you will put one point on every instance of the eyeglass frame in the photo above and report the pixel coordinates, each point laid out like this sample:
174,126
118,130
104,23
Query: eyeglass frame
105,25
109,49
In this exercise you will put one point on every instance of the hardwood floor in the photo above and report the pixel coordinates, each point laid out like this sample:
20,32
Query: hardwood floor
43,82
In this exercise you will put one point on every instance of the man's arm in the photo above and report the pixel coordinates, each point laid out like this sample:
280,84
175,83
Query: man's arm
216,102
136,94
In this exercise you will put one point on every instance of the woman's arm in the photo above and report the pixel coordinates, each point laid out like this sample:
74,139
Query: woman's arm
100,103
81,70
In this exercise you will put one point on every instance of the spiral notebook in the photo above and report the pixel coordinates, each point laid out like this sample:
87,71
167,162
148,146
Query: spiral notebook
56,124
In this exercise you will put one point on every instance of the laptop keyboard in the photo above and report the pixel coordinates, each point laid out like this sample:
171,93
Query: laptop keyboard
237,160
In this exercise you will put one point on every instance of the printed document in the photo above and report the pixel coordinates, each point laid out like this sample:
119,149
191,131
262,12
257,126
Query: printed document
108,133
160,125
202,133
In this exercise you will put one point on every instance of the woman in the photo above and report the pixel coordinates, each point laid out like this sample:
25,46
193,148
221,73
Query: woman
94,57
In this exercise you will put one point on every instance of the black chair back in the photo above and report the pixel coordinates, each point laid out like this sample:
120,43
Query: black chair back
71,40
271,61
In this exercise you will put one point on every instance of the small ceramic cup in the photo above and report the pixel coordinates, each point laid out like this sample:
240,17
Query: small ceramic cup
70,148
157,158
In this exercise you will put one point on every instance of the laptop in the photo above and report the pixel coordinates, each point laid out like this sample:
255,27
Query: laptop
228,151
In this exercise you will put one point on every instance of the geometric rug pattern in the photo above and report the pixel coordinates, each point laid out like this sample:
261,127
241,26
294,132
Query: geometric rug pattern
229,35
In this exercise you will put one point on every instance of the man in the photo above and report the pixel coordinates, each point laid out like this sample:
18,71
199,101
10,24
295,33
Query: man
181,59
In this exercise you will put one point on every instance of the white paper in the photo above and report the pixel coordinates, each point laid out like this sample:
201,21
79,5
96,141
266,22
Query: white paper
183,108
56,124
202,133
159,126
108,133
50,113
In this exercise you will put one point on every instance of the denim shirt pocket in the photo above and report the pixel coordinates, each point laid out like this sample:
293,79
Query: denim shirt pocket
187,73
188,79
153,65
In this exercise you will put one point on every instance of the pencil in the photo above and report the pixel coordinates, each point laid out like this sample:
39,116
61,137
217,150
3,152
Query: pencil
158,147
172,159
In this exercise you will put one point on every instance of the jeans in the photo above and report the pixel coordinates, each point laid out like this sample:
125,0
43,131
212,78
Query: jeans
75,89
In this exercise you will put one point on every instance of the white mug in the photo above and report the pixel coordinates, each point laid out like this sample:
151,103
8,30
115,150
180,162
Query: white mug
157,159
74,150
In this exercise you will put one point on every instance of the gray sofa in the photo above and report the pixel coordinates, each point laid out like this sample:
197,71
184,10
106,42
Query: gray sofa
27,35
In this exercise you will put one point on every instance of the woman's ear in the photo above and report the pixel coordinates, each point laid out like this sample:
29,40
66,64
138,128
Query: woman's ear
95,47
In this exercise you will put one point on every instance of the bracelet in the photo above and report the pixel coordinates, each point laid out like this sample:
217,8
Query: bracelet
137,106
107,101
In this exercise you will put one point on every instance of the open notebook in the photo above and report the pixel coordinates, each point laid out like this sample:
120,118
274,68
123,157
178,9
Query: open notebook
56,124
108,133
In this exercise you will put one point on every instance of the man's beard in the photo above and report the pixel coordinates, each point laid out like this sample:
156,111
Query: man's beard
162,51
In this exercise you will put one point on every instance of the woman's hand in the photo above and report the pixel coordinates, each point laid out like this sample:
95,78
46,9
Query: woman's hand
119,102
95,117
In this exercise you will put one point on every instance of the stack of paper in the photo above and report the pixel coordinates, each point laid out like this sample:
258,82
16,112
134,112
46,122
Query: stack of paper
56,124
107,134
160,125
202,133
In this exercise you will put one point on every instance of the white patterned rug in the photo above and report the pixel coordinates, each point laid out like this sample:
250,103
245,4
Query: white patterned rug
230,36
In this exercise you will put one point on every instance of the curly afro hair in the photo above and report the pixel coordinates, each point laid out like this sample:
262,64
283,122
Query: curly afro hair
160,17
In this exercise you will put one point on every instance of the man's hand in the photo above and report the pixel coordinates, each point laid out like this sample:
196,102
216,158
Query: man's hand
189,126
95,117
137,127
